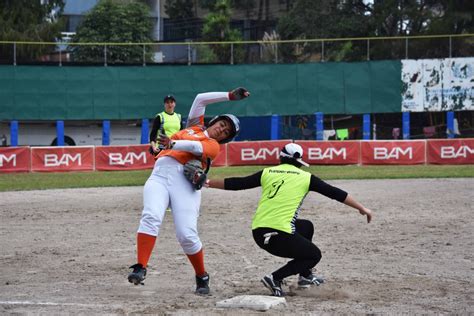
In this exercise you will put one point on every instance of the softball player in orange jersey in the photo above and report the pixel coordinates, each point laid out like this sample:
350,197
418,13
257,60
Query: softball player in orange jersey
168,187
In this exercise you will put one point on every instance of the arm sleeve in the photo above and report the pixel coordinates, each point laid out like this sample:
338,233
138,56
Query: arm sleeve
155,128
242,183
196,113
318,185
192,146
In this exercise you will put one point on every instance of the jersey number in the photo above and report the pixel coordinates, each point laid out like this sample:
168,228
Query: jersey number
275,187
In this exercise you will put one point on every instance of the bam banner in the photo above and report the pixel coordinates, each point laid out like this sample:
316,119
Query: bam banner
62,158
14,159
393,152
254,153
456,151
123,157
438,85
330,153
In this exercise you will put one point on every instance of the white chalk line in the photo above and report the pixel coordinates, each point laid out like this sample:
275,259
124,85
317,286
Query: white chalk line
51,304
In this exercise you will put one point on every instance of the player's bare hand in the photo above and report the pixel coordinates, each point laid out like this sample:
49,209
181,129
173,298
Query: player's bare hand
366,212
164,142
238,94
153,148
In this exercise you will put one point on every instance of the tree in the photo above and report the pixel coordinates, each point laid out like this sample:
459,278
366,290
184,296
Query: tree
31,21
114,21
217,29
313,19
183,20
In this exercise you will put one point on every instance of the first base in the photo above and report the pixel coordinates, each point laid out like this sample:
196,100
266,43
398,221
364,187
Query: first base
255,302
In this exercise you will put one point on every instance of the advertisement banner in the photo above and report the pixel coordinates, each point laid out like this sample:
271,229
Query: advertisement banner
254,153
330,152
455,151
132,157
221,159
62,158
14,159
393,152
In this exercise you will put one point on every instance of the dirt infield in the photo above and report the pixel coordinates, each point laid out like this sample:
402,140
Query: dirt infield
68,251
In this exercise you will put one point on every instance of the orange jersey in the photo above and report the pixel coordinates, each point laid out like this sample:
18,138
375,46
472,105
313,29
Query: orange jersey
210,146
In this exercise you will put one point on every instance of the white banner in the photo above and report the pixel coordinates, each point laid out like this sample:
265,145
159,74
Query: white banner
438,85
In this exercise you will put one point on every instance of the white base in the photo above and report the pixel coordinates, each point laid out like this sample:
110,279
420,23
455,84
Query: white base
255,302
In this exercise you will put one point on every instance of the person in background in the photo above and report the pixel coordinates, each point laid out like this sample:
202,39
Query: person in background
167,122
275,225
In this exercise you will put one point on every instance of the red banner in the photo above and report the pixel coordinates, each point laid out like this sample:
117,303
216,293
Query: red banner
330,152
132,157
254,153
14,159
393,152
62,158
221,159
454,151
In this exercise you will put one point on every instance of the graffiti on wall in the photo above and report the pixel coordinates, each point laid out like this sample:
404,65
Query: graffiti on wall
438,85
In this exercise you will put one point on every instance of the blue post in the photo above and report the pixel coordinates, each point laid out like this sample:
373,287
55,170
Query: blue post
106,132
319,125
14,133
450,124
406,125
145,137
60,133
366,126
275,127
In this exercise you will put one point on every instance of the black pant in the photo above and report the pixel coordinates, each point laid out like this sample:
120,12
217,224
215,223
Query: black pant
297,246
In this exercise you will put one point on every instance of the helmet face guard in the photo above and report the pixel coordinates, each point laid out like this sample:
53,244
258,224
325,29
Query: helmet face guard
234,123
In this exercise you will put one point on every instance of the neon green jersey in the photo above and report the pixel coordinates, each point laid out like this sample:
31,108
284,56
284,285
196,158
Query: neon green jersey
170,123
284,188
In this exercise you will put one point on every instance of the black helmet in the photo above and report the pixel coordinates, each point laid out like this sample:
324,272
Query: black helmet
169,97
234,122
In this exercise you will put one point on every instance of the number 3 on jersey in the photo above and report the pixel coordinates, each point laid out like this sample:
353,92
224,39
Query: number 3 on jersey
275,187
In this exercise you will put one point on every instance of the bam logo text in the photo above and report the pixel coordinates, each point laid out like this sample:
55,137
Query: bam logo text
53,160
328,153
262,153
128,158
381,153
450,152
5,160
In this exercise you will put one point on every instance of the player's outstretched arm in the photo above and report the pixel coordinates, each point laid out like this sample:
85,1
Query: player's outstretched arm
215,183
198,108
350,201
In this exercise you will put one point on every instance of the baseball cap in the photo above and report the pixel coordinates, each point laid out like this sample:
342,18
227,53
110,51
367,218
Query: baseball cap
293,151
169,97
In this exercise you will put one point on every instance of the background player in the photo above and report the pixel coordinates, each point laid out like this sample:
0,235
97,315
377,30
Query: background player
275,225
168,122
167,185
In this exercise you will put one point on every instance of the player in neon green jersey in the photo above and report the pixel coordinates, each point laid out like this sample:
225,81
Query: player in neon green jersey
275,225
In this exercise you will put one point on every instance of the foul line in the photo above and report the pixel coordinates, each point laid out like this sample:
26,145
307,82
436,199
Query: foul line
49,304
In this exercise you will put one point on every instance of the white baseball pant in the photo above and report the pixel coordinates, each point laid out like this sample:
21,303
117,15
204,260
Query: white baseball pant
167,186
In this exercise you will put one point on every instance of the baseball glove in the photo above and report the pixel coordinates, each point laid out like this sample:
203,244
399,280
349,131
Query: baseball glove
195,174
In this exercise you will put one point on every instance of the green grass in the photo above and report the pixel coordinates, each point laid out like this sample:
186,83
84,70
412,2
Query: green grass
42,181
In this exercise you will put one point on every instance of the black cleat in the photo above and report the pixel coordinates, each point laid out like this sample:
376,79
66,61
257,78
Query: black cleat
273,285
306,282
137,275
202,284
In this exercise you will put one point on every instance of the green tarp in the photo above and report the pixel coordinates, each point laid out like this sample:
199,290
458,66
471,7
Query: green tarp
87,93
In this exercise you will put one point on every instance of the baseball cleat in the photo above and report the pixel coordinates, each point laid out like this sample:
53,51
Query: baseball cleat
306,282
137,275
273,285
202,284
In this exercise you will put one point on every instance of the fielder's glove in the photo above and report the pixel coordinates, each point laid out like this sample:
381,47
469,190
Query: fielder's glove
238,94
195,174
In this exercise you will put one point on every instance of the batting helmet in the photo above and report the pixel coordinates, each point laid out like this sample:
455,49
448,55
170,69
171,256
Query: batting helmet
234,122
